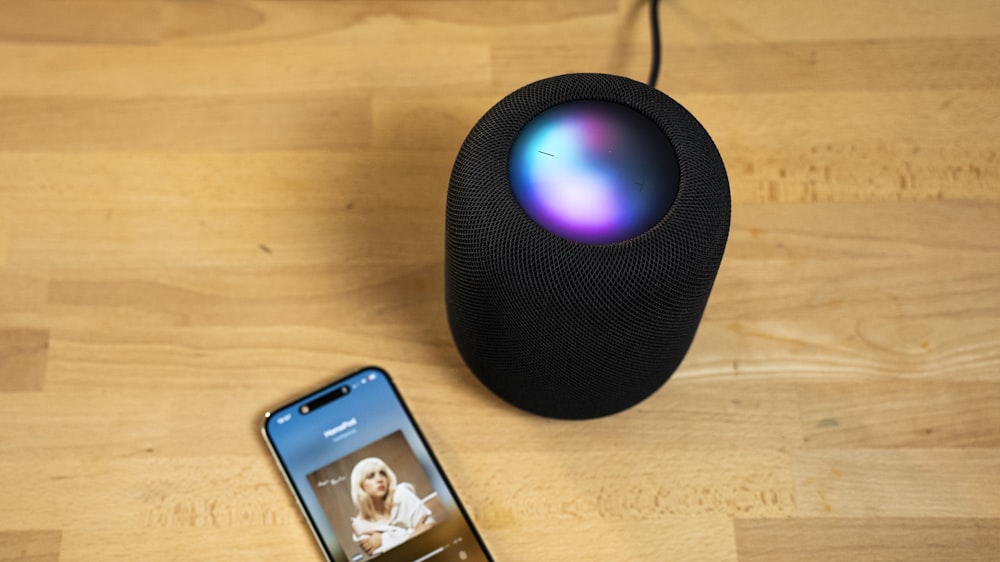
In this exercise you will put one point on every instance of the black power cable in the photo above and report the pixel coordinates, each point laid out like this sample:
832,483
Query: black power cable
654,23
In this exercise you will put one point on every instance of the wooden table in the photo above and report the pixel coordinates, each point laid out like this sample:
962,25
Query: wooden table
208,207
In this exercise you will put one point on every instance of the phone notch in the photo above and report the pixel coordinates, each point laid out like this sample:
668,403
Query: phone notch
325,399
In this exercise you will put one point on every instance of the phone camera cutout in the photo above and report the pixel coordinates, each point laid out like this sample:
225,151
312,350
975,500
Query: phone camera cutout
316,404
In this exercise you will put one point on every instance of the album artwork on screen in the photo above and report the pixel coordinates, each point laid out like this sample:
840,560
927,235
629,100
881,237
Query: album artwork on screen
377,497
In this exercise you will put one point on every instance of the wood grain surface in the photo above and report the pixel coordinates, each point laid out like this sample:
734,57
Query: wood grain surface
207,207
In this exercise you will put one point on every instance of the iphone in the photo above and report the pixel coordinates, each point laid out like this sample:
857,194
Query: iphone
365,477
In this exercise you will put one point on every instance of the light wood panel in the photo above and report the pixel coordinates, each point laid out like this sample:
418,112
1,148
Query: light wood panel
208,207
868,539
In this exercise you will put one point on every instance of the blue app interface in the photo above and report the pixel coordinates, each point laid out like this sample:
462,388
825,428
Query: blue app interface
365,478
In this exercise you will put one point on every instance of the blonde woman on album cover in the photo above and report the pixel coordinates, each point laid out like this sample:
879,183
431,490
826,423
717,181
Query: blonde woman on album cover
389,512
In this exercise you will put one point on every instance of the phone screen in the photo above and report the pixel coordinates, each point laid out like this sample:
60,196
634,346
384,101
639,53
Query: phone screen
366,479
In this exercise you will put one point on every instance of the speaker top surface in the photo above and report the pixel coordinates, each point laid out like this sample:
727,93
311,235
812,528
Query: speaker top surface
593,171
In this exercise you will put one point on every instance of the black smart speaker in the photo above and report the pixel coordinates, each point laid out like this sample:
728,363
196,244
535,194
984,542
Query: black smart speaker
586,219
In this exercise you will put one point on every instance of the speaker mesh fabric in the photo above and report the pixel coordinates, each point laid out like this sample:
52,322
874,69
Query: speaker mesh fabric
565,329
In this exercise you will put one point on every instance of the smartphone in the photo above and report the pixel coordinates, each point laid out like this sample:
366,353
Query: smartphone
366,479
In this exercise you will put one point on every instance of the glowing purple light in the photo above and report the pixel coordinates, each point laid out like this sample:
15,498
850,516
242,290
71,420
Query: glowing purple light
593,172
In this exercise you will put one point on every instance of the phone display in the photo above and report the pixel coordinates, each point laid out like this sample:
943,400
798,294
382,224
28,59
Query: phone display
365,477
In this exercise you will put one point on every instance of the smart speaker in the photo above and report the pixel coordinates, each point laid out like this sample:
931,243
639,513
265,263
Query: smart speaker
587,215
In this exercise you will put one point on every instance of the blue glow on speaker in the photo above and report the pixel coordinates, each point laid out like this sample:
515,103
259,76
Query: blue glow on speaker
593,172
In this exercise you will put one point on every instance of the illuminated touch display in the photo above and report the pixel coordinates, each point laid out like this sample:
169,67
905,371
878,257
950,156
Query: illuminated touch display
593,172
